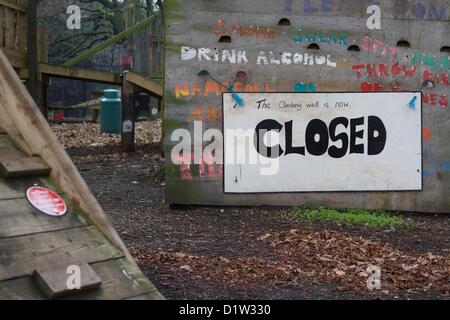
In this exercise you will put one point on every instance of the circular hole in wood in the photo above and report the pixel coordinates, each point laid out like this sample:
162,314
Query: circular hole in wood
313,46
445,49
403,44
354,48
225,39
284,22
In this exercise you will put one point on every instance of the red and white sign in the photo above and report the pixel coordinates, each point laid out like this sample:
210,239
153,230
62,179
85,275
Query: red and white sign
47,201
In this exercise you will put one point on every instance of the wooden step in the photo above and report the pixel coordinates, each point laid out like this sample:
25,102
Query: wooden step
53,281
24,167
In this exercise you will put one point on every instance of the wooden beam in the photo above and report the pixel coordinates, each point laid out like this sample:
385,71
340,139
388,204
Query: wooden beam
22,32
115,274
14,6
42,44
80,74
24,167
18,218
23,73
32,50
79,244
146,84
10,34
128,115
16,58
42,100
53,280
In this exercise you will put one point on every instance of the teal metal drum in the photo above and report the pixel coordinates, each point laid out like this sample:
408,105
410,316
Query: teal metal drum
110,112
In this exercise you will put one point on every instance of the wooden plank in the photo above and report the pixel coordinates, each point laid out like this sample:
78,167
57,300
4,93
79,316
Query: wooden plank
16,188
116,284
21,32
120,280
23,167
144,83
42,97
128,115
18,218
23,73
2,17
7,150
32,51
10,37
20,289
22,3
15,6
79,74
42,45
52,281
6,192
22,255
16,58
29,129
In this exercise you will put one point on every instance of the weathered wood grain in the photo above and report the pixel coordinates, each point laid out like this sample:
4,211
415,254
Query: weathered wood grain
52,281
16,188
20,289
191,23
152,87
23,167
115,285
20,256
79,73
29,129
18,218
128,137
120,280
8,150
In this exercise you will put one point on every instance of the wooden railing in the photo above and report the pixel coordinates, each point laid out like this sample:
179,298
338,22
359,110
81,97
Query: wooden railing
13,30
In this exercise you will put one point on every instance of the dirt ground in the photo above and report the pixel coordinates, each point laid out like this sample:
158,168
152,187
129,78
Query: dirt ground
255,253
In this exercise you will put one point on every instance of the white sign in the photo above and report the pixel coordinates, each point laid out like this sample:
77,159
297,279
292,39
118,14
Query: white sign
316,142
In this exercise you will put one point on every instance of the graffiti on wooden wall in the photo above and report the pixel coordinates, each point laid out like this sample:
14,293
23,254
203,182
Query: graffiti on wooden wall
376,63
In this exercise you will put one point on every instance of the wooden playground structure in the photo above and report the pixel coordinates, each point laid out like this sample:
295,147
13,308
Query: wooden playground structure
25,46
37,250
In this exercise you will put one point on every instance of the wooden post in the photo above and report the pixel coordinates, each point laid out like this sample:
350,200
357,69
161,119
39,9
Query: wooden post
32,50
128,115
43,80
42,94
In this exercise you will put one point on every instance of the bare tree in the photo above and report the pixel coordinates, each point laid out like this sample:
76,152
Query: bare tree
101,19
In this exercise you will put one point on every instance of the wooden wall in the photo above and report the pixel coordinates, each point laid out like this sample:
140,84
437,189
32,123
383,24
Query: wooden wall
13,30
384,62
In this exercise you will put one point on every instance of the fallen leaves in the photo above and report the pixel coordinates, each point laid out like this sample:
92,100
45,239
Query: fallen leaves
339,273
337,258
87,135
220,269
344,258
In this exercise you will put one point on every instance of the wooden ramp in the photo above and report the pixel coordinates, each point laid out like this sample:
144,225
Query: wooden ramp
38,251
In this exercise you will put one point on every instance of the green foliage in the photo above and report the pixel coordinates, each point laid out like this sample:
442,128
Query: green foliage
369,218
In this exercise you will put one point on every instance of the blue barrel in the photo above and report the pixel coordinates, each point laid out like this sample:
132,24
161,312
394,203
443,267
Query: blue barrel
111,112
